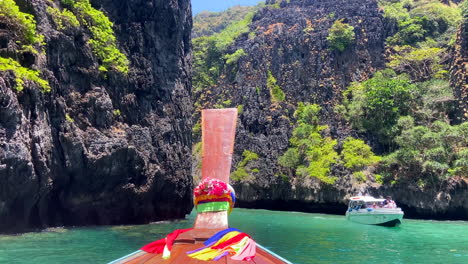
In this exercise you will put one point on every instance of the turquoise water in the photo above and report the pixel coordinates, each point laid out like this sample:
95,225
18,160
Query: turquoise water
298,237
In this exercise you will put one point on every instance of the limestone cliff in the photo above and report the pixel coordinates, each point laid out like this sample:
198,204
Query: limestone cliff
289,45
207,23
105,145
459,69
284,58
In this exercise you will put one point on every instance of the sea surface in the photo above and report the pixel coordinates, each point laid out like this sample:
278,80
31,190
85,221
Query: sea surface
298,237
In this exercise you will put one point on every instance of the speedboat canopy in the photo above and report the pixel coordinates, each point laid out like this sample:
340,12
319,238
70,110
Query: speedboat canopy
366,199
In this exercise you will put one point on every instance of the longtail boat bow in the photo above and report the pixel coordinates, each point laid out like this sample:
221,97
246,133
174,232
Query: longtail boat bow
218,133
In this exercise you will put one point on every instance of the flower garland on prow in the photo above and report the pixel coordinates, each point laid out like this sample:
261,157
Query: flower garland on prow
213,195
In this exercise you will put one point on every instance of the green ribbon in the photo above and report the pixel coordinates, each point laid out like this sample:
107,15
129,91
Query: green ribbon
213,207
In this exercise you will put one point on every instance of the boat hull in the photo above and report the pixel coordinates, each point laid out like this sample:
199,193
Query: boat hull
394,222
264,256
189,241
389,217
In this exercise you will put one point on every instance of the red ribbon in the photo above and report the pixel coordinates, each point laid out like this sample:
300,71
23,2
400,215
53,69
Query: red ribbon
158,245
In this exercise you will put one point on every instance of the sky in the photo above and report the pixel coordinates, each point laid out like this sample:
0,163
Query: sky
219,5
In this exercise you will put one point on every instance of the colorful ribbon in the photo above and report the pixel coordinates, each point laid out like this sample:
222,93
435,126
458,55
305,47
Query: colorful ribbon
213,207
226,242
213,191
164,245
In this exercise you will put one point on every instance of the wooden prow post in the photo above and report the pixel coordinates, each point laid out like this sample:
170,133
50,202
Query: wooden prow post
218,133
218,127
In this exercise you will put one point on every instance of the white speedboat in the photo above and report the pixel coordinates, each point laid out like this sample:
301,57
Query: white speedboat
371,211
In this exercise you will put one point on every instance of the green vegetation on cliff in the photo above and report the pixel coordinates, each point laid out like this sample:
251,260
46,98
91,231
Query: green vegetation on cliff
427,154
209,53
464,11
376,104
24,27
420,63
242,173
208,23
277,95
414,85
103,41
406,108
415,132
312,155
421,20
22,23
206,63
234,57
63,19
225,38
357,155
23,74
340,35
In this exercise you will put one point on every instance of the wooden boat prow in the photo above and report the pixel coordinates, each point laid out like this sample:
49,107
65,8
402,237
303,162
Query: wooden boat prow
192,240
218,131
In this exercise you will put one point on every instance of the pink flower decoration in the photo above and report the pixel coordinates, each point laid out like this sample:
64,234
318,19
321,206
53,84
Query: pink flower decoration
210,186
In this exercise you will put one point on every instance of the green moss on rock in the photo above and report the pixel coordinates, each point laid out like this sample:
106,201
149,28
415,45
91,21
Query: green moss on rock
23,23
23,74
103,41
277,95
242,173
340,35
63,19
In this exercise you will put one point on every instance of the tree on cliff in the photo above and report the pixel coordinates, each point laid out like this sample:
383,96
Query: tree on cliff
310,153
340,35
427,154
376,104
313,155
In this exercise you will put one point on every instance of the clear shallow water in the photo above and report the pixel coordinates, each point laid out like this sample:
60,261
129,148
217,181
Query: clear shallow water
298,237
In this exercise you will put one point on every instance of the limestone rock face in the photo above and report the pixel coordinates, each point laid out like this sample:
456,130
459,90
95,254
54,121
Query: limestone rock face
290,43
288,40
99,148
448,202
459,70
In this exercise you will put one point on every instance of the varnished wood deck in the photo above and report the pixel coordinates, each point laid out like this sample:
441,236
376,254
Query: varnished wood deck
192,240
179,255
